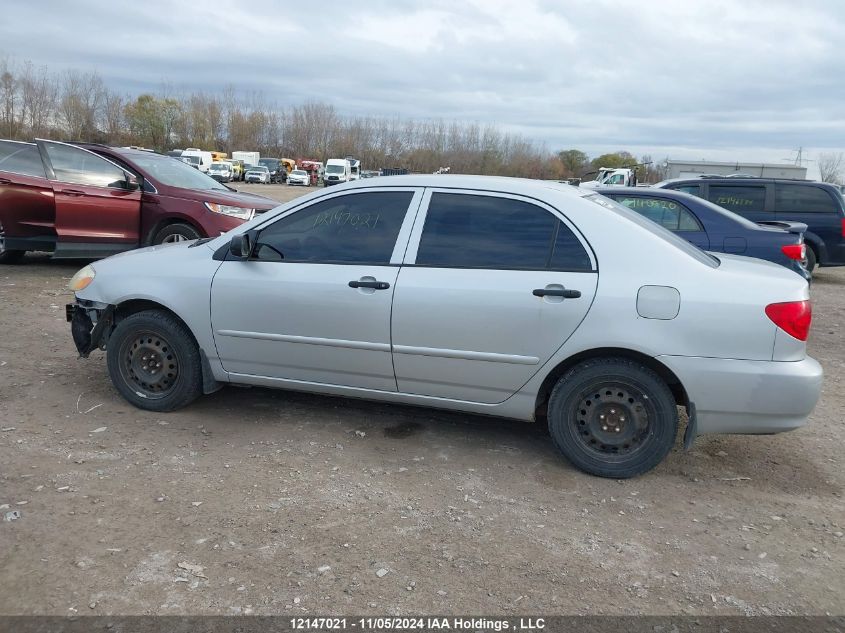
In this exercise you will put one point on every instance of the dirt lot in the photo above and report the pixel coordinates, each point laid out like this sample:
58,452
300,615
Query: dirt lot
259,501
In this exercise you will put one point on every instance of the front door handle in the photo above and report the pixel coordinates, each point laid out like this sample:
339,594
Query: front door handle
556,292
72,192
375,285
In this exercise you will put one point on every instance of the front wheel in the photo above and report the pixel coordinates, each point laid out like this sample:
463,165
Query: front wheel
154,361
176,233
613,417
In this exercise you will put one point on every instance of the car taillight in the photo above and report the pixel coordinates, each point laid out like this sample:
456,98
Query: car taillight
793,317
794,251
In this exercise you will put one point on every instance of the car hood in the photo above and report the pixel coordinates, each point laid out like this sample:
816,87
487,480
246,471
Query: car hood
240,199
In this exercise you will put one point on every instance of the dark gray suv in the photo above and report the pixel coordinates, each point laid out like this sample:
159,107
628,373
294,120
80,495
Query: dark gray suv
819,205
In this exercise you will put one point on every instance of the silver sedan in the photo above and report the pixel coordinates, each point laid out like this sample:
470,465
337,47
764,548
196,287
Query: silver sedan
516,298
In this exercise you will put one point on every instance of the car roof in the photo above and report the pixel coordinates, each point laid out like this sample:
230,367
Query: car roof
743,180
647,191
503,184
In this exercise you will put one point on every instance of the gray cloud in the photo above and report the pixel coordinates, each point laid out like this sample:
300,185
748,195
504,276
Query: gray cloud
708,77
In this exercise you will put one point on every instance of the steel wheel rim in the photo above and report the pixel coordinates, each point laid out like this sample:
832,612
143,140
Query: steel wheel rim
149,365
2,240
175,237
612,419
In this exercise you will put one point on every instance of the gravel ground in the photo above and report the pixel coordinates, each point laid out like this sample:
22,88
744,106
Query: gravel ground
259,501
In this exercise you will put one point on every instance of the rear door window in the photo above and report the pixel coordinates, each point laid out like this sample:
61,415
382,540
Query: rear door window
480,231
803,199
21,158
740,199
667,213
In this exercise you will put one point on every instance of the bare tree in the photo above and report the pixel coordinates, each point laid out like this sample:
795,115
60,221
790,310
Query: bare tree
830,166
80,104
8,99
38,100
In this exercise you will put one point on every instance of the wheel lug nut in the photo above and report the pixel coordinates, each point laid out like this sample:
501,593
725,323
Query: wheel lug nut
601,417
621,418
618,429
603,427
613,410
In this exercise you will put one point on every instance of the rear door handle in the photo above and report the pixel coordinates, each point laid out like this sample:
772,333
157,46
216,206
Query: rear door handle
556,292
72,192
376,285
4,181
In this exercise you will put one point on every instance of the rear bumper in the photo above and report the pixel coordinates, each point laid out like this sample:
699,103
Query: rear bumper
744,396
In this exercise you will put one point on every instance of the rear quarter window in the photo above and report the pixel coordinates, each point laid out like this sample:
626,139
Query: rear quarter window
803,199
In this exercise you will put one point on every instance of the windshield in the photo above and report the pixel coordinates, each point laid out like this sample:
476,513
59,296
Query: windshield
335,169
174,173
258,168
655,228
298,172
269,162
219,167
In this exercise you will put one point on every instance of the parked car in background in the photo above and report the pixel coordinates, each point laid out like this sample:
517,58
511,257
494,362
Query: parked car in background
200,159
86,200
278,172
221,171
237,168
818,205
712,228
299,177
469,293
257,173
338,170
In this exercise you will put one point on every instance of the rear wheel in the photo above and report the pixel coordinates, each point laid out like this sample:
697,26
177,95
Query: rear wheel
176,233
811,259
613,417
7,256
154,361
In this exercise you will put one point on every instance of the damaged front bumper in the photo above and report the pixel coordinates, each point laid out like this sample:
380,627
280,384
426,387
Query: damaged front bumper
90,324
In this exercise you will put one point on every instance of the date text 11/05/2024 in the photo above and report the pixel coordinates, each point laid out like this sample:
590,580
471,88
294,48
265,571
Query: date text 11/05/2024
418,624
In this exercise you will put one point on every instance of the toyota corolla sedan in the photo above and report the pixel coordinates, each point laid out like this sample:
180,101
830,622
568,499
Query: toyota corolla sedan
515,298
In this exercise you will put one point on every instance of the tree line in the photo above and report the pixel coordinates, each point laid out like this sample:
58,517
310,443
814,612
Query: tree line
78,106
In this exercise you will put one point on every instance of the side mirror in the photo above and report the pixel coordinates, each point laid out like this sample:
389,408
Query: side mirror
133,183
241,246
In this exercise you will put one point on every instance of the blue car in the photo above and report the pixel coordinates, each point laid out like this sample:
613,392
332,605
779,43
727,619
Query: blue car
715,229
818,204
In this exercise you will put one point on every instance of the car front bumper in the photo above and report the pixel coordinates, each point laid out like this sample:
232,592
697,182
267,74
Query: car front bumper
90,324
746,396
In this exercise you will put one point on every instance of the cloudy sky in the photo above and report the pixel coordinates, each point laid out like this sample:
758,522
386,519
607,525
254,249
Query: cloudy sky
715,79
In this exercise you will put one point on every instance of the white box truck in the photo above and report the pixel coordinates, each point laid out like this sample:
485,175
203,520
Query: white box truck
250,159
198,158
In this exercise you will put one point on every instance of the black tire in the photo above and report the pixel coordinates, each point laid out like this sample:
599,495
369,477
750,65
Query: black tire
176,233
154,361
811,260
7,256
625,431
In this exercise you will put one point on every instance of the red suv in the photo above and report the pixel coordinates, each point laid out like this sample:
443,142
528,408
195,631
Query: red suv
87,200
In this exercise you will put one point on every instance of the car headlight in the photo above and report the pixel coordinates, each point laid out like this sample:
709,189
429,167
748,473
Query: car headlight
82,279
236,212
